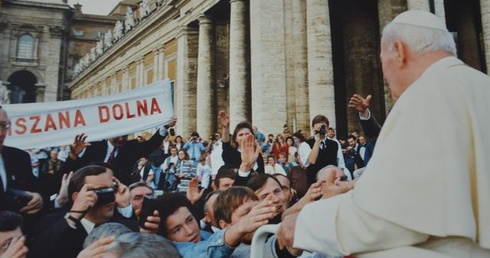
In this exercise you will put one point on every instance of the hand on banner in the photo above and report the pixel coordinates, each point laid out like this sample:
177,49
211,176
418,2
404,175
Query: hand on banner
171,123
78,145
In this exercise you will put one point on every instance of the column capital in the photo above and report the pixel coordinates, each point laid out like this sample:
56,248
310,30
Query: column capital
185,30
204,19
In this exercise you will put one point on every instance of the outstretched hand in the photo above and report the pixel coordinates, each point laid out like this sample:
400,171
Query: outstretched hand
78,145
359,103
332,185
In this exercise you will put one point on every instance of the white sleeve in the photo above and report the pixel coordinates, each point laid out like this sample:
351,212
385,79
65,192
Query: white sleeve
340,156
347,229
303,152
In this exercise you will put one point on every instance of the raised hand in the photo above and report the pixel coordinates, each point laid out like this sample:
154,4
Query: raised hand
122,194
85,199
193,193
172,122
224,118
249,152
62,197
78,145
359,103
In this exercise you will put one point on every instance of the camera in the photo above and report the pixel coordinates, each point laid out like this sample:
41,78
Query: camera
105,195
147,209
213,138
171,131
323,130
16,199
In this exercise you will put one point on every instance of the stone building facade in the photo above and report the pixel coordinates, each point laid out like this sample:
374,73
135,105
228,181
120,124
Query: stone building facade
271,62
40,40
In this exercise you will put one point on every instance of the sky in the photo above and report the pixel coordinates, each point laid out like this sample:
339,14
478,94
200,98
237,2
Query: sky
101,7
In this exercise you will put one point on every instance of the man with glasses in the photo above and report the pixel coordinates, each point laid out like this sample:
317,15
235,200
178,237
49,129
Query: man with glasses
16,173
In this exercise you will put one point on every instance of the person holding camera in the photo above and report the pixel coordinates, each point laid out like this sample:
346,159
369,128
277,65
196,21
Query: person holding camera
323,150
97,197
194,148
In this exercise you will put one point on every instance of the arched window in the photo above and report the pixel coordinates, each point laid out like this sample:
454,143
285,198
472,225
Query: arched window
26,47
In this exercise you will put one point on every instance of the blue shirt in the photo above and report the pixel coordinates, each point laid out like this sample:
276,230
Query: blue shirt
211,245
194,149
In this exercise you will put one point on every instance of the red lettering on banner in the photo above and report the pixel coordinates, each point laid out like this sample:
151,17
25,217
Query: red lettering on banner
50,124
20,126
64,120
128,111
104,115
142,107
34,128
154,106
118,111
79,119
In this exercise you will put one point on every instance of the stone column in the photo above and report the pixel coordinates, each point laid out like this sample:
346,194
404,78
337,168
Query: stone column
114,84
239,85
205,114
185,88
418,5
485,20
300,65
161,63
156,66
268,69
40,91
320,67
140,73
125,79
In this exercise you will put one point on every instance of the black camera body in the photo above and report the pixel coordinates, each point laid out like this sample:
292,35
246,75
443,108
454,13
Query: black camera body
323,130
171,131
105,195
147,209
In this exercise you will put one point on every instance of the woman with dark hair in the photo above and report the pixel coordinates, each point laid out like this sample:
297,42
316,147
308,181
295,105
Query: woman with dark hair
231,147
179,142
292,149
303,148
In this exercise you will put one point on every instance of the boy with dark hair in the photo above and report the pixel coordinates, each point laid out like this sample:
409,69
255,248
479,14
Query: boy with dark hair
179,225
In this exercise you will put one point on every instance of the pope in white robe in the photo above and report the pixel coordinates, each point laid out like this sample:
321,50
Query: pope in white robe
430,197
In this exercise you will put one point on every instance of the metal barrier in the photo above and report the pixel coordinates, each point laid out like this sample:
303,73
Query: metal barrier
259,239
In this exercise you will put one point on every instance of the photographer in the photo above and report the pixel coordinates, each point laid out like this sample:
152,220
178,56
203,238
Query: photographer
194,148
323,150
97,197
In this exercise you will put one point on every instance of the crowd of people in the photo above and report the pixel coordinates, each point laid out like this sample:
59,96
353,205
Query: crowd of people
416,194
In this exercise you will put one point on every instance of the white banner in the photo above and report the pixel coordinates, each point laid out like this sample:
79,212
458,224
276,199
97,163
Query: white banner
38,125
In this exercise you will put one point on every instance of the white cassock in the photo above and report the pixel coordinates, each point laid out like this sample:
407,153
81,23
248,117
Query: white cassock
426,190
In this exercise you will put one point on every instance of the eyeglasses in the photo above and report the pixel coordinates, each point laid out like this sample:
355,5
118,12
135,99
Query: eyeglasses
4,125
